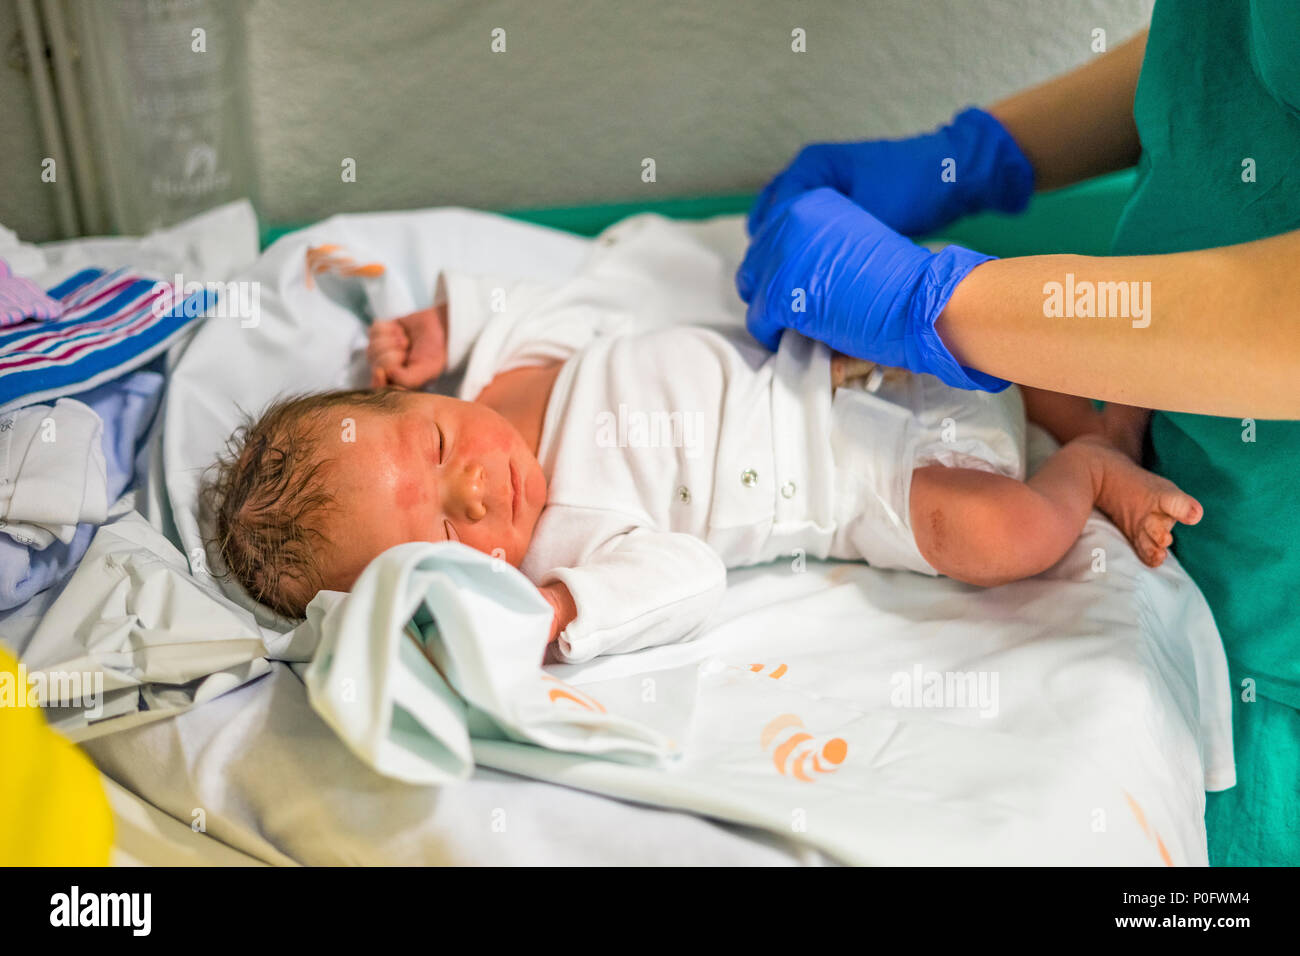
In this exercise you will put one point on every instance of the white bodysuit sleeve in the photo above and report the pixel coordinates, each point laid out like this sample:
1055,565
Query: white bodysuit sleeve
640,588
494,325
472,301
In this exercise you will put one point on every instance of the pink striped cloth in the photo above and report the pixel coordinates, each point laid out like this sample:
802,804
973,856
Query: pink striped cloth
22,299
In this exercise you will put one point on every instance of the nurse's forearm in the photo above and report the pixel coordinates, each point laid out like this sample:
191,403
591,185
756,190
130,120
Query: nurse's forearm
1080,124
1214,332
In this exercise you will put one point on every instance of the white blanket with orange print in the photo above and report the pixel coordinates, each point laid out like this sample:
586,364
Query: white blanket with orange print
882,717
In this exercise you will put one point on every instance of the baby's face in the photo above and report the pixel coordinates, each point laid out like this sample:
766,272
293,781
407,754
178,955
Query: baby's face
438,469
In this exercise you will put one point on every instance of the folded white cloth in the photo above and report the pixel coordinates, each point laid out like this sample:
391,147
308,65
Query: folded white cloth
151,638
52,472
438,642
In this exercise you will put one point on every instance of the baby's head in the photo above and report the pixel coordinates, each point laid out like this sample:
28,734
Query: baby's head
321,484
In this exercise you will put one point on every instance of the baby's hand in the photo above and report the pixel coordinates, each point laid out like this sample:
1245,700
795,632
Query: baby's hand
410,350
561,601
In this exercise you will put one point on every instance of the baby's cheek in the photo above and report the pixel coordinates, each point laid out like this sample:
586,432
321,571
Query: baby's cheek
490,432
493,545
535,487
409,494
487,443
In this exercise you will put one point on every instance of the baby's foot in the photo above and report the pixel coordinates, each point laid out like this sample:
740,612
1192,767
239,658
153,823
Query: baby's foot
1143,505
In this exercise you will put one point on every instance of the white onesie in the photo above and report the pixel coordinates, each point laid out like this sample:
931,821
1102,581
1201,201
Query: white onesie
675,446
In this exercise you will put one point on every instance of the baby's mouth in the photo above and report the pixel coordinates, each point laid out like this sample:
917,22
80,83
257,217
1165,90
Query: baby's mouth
515,492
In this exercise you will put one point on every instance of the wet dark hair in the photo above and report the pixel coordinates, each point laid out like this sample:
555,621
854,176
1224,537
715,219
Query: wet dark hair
267,497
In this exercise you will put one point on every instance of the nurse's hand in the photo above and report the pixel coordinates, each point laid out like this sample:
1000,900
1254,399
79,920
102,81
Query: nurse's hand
914,185
408,351
826,268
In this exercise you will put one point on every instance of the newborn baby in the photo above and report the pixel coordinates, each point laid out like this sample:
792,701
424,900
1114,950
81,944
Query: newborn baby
623,442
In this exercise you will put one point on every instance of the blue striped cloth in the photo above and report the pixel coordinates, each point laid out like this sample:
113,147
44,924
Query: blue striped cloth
113,321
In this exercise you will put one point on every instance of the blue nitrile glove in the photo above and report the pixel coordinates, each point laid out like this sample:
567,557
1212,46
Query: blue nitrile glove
903,183
830,270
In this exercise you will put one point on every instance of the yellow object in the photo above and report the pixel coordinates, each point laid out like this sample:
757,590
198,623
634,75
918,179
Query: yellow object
53,810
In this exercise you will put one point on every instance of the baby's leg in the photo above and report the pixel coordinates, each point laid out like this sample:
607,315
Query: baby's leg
988,529
1066,417
1069,416
1126,427
846,368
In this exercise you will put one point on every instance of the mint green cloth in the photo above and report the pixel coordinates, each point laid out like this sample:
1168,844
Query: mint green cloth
1218,103
1255,823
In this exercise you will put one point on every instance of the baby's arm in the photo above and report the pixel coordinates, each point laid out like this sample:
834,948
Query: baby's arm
411,350
638,589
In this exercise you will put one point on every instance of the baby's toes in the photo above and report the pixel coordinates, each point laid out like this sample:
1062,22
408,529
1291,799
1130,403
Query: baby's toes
1181,506
1159,527
1148,548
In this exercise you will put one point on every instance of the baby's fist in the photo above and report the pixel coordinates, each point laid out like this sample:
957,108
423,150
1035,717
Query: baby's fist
410,350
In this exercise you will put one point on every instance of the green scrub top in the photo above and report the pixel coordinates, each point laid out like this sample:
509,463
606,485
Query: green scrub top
1218,112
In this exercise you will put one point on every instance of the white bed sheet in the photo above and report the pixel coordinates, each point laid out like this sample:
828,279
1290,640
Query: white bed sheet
276,784
145,836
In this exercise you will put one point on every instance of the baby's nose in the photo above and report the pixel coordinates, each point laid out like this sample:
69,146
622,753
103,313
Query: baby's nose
472,492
